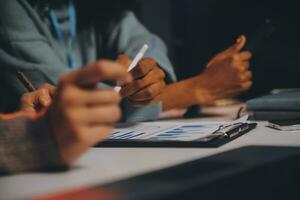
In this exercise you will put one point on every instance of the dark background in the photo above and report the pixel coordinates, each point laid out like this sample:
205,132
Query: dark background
195,30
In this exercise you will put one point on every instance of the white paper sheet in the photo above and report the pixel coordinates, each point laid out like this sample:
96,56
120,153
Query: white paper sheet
169,131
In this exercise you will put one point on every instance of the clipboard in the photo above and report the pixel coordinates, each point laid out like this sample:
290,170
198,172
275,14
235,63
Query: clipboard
222,136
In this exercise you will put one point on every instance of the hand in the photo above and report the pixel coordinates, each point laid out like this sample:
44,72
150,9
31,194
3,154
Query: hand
148,83
82,115
234,51
227,74
35,101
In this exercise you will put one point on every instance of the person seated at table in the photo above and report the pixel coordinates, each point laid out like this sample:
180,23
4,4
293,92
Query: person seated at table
45,39
79,117
227,75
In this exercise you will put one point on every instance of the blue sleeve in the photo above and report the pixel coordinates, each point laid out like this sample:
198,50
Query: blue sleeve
25,45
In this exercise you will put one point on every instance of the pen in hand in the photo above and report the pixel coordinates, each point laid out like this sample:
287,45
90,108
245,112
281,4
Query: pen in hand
135,61
25,81
33,100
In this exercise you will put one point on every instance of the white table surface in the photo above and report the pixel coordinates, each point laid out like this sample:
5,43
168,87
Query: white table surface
104,165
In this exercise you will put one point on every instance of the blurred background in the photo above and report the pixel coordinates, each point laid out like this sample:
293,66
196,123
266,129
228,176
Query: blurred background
195,30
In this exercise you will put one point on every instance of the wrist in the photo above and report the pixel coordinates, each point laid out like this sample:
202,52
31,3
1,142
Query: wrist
179,95
200,91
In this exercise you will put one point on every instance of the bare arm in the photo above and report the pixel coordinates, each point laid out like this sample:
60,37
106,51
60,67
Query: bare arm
227,75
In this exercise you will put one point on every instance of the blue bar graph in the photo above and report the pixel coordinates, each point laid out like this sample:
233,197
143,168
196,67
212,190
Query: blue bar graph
183,132
126,135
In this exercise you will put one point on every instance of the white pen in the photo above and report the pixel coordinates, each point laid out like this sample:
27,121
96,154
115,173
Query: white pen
135,61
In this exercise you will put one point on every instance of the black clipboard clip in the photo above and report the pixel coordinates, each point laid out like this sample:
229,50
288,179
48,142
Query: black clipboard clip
230,131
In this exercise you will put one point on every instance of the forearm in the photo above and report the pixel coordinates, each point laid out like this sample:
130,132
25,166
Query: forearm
178,95
186,93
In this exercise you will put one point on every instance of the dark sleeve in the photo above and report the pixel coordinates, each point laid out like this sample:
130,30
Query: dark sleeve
27,146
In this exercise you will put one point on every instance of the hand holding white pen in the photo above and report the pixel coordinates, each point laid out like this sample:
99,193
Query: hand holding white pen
148,79
135,61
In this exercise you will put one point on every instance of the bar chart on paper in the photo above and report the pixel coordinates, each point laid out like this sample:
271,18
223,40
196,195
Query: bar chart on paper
169,131
165,131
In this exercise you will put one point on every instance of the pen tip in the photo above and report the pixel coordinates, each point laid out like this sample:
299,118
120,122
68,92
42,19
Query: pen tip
145,48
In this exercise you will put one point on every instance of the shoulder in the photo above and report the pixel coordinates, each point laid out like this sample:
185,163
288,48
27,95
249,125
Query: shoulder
10,10
16,18
128,17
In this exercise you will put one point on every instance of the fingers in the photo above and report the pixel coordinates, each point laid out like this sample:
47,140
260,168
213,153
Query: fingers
93,135
76,96
124,60
240,43
238,62
81,115
152,77
241,66
147,102
245,55
148,83
41,98
234,50
27,102
238,46
247,85
143,68
149,93
50,89
241,87
95,115
81,118
103,70
246,76
233,91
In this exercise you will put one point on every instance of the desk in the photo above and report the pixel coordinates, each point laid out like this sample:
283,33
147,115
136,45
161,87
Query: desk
100,166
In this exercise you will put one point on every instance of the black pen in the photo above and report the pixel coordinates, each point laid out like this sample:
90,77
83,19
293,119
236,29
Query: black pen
25,81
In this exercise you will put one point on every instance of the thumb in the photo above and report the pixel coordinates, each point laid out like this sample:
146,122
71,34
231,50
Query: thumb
45,101
124,60
238,46
89,76
240,43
